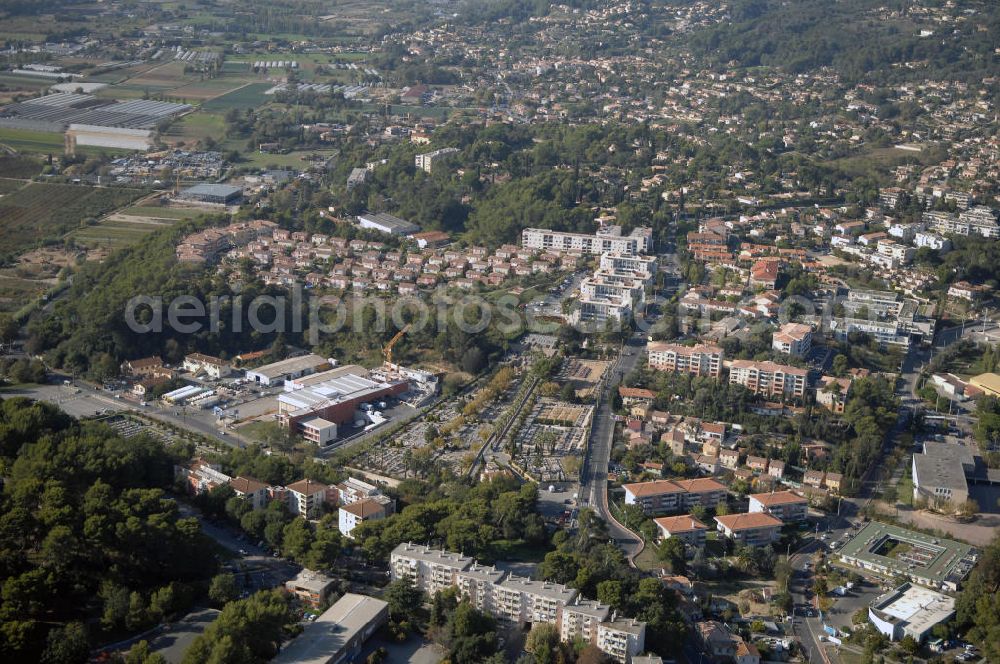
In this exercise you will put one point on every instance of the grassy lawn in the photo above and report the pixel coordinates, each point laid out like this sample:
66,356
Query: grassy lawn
904,491
647,559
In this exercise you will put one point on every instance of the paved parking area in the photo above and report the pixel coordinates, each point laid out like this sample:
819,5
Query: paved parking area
173,643
73,400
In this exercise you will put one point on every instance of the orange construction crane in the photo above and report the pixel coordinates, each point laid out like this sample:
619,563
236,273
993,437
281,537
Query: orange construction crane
387,349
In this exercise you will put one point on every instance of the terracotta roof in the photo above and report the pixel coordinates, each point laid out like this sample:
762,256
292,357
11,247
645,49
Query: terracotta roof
777,498
736,522
364,508
145,362
306,487
246,484
654,488
680,524
636,393
701,485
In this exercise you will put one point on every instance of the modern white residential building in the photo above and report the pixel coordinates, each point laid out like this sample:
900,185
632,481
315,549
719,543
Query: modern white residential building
622,638
426,161
430,570
686,528
581,617
697,360
519,600
607,240
785,505
769,378
751,529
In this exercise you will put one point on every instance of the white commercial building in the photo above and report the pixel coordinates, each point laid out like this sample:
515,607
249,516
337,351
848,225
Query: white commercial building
288,369
910,610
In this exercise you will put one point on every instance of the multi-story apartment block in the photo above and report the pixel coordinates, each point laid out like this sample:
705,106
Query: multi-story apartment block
581,617
517,599
607,240
752,529
702,491
306,498
639,267
978,220
673,495
622,639
525,600
477,584
769,378
426,161
793,339
686,528
784,505
697,360
430,570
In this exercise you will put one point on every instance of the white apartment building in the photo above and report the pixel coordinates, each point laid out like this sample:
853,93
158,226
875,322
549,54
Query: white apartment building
607,240
769,378
525,600
793,339
899,253
430,570
478,584
581,617
517,599
785,505
978,220
751,529
306,498
639,267
426,161
932,241
623,638
698,360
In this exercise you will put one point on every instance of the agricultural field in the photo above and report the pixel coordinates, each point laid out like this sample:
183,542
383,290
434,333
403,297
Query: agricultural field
49,211
195,127
15,292
44,143
19,167
37,142
249,96
8,186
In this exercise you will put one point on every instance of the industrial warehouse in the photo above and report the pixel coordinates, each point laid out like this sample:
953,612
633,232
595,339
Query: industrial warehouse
89,120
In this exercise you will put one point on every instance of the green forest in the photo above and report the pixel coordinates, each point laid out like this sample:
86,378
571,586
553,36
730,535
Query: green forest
92,548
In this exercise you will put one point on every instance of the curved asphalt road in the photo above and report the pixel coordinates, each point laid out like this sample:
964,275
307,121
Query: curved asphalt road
594,478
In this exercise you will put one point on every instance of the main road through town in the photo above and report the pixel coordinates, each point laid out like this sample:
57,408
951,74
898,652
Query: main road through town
594,476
